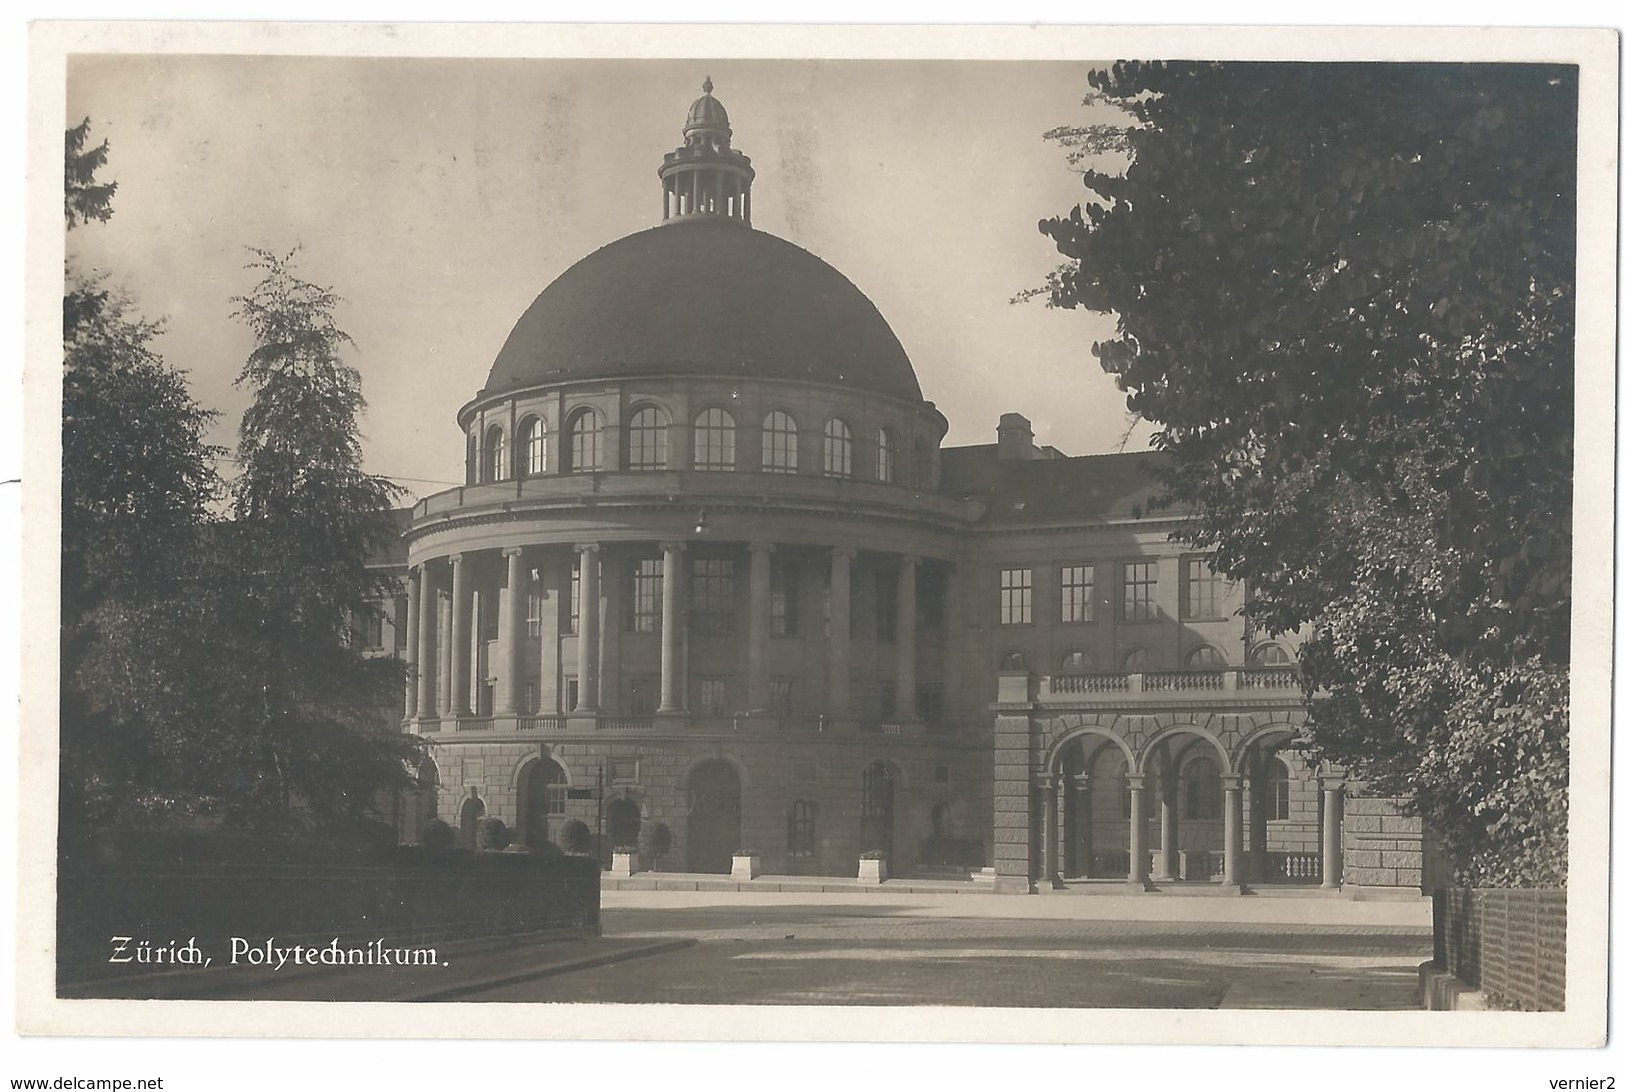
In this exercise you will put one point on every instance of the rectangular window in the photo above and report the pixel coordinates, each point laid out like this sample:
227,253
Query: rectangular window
712,592
713,697
803,819
372,626
575,595
933,585
886,607
1015,597
533,699
486,607
644,600
888,699
1077,593
781,696
784,597
928,701
1203,587
572,694
642,696
400,623
533,606
1139,591
556,795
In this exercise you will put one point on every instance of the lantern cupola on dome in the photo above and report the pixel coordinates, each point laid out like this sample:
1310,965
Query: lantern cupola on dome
706,177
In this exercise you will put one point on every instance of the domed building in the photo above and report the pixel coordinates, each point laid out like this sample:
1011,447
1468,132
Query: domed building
713,585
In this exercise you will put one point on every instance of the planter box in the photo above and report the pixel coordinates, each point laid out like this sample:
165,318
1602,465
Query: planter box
623,864
746,866
872,870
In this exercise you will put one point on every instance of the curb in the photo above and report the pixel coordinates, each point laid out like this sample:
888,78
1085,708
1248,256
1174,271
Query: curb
449,993
1444,992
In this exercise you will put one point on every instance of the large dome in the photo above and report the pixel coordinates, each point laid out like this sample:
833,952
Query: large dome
704,297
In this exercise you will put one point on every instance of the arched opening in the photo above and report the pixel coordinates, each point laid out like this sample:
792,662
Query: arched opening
625,820
1108,813
1074,663
533,446
541,796
885,457
779,455
1136,660
1013,661
646,439
714,440
422,801
713,817
496,455
1270,655
837,449
582,438
1205,658
877,809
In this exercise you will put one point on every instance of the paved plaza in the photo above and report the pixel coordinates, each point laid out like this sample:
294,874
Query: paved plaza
1062,952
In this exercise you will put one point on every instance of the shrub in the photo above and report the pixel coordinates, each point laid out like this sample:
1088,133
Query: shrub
577,838
437,836
659,840
492,834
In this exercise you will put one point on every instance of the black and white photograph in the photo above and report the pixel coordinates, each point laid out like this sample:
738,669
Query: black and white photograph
820,534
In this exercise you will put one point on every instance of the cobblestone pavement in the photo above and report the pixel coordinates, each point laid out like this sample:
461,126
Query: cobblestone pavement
881,952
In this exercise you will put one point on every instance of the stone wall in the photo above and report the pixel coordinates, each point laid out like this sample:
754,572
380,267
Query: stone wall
1381,847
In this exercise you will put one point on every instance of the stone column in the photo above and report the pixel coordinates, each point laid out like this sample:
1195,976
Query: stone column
1082,836
428,610
1169,818
587,631
761,555
1331,832
513,628
907,611
1137,830
840,630
410,645
444,650
462,601
1044,785
1232,829
671,632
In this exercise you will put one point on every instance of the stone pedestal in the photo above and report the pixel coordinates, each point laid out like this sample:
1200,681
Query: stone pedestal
747,866
872,869
623,864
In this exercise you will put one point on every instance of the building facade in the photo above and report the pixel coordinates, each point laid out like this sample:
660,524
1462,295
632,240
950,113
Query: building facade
711,556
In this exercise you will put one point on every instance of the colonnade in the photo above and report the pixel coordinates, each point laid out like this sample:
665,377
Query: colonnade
1047,786
441,639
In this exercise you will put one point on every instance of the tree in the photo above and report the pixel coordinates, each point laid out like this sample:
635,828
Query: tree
1345,296
137,480
316,729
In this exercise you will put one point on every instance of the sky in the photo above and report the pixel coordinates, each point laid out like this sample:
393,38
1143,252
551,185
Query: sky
438,197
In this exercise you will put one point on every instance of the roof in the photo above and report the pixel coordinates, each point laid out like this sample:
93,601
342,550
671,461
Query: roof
1069,489
704,297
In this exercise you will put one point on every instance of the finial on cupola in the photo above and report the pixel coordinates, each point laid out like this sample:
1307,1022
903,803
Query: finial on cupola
707,85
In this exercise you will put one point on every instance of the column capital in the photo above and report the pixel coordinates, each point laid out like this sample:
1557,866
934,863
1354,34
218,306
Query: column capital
848,552
671,546
1136,781
586,547
455,559
1080,781
1333,783
909,559
1231,782
760,547
1044,781
513,551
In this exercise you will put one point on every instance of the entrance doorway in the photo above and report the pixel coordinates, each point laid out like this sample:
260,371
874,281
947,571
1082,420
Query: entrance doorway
543,796
713,817
625,823
877,809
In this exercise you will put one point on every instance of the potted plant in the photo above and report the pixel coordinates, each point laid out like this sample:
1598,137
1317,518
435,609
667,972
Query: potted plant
624,862
872,866
747,865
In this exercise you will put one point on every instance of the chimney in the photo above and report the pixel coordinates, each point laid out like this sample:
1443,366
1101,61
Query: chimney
1015,437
